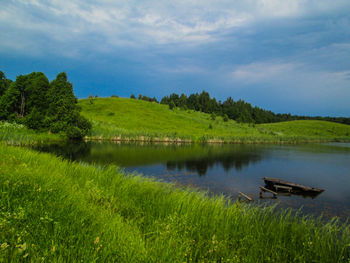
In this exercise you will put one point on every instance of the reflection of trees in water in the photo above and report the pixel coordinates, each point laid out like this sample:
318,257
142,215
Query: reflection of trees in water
227,161
70,150
236,157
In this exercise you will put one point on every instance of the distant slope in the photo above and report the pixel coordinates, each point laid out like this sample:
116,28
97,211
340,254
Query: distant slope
121,118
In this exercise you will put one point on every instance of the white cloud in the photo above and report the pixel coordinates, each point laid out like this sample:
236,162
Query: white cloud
148,22
292,74
263,71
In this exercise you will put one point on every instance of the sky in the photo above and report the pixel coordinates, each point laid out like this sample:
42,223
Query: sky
288,56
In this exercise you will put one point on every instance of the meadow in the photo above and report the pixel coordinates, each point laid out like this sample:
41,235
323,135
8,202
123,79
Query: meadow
79,212
130,119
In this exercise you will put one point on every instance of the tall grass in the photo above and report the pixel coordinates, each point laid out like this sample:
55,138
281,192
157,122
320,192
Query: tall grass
18,134
135,120
54,210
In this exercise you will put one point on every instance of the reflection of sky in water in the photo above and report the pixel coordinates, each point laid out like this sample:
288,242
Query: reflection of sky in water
330,171
231,168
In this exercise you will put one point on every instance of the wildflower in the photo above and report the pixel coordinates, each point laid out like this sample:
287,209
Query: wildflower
22,248
4,246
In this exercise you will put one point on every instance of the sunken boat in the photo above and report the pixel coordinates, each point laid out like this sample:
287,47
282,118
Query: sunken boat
279,185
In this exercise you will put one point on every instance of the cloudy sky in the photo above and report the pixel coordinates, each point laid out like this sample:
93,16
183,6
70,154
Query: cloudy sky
289,56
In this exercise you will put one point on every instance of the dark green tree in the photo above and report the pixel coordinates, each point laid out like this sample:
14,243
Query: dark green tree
4,83
9,103
27,92
63,112
172,105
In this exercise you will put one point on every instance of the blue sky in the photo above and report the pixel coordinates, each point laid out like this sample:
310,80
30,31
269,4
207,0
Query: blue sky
289,56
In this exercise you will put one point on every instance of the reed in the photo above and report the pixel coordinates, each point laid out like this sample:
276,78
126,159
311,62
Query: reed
52,210
18,134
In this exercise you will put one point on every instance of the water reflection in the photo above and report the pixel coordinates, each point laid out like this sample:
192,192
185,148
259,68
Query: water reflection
227,160
229,169
184,157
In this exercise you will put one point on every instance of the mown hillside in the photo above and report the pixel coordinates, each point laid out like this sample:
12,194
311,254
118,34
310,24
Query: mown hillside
121,118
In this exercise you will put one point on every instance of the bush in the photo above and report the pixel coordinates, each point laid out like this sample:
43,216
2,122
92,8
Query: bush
172,105
84,125
91,99
74,133
34,120
56,127
225,118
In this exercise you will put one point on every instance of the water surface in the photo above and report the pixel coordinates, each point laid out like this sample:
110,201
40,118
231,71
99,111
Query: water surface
231,168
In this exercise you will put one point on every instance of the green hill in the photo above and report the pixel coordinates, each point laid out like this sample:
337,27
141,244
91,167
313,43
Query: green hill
121,118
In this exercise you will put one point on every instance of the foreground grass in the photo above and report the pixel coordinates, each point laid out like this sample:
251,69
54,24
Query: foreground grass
54,210
120,119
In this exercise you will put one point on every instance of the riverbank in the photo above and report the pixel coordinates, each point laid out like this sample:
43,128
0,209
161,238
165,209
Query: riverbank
81,212
166,140
18,134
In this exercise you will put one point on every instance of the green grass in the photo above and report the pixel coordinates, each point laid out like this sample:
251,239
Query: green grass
56,211
127,119
18,134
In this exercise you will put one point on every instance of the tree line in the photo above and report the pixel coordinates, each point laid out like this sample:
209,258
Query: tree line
239,110
42,105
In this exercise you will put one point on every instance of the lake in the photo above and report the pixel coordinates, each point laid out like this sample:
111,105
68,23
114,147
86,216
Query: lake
230,168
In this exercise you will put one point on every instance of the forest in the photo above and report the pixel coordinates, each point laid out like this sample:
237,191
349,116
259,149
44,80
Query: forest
239,110
42,105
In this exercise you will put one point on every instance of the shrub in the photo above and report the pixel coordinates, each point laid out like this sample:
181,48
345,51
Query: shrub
34,120
74,132
225,118
172,105
91,99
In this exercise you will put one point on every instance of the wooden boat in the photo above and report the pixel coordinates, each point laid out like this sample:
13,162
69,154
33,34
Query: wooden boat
281,185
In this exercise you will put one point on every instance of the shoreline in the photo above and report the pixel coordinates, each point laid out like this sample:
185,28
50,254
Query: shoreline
144,139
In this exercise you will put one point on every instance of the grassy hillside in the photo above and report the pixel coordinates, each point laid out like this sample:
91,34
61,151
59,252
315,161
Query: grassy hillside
57,211
116,118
